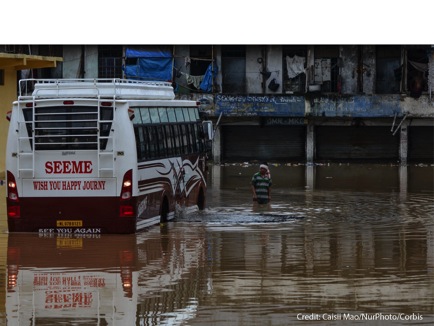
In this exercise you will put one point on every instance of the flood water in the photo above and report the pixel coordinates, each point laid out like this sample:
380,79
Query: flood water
339,245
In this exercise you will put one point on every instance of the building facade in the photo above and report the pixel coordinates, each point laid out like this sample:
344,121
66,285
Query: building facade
287,103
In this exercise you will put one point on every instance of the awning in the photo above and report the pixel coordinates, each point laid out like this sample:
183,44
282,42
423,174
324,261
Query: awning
26,61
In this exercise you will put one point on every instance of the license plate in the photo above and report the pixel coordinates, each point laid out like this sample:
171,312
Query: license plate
69,224
69,243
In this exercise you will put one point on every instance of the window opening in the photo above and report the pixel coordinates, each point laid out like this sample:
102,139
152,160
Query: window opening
110,61
234,69
417,70
294,67
326,70
388,69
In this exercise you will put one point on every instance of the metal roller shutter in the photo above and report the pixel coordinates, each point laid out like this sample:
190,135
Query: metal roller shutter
263,143
421,144
361,143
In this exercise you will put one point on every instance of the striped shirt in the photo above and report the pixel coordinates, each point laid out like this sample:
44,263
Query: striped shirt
261,184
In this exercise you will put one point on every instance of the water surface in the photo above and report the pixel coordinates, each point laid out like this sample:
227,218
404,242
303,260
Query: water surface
338,243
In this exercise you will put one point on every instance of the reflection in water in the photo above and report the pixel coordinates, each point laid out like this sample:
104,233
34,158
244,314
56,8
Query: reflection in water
337,243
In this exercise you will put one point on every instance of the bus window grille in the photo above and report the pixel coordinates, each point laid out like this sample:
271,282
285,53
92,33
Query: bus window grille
65,128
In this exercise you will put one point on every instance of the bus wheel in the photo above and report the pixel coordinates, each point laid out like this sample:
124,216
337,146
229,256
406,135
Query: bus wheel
164,210
201,200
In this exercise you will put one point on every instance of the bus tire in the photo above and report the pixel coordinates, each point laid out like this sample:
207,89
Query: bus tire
201,200
164,210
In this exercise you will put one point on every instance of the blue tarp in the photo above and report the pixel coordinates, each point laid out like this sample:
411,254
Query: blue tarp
155,64
154,53
211,72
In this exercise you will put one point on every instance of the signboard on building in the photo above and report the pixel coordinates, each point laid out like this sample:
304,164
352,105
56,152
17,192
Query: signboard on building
260,105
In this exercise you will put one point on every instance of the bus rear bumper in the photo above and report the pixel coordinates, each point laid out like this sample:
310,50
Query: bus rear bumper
78,215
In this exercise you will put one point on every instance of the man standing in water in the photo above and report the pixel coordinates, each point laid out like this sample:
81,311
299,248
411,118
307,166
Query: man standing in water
261,185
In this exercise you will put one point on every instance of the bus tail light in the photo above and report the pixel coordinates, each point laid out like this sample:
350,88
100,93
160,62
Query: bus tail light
12,199
126,262
13,255
126,207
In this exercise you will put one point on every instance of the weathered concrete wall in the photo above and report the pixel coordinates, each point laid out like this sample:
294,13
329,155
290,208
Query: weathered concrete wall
90,61
218,57
369,69
348,69
359,106
332,106
71,61
421,107
253,69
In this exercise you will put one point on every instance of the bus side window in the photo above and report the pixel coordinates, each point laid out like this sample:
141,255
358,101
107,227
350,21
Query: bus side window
201,137
183,134
188,133
183,138
147,146
146,118
194,140
177,139
140,143
161,141
153,142
179,115
171,114
169,139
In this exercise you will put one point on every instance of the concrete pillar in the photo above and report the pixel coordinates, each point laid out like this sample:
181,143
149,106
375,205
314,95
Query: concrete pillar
403,144
403,182
310,177
216,146
215,185
310,143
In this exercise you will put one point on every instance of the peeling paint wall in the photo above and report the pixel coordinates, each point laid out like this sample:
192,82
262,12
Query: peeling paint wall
421,107
348,55
369,66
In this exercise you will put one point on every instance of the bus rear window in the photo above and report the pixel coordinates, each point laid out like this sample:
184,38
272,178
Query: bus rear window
69,127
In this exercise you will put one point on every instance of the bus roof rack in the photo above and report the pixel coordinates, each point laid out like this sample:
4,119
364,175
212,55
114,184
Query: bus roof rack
94,88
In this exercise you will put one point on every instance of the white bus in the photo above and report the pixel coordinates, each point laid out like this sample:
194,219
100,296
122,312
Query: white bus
102,156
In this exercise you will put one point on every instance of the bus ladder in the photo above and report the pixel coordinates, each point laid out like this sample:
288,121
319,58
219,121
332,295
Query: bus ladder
106,153
22,136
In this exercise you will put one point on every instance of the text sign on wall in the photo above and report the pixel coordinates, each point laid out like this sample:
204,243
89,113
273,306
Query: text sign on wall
260,105
356,106
280,121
